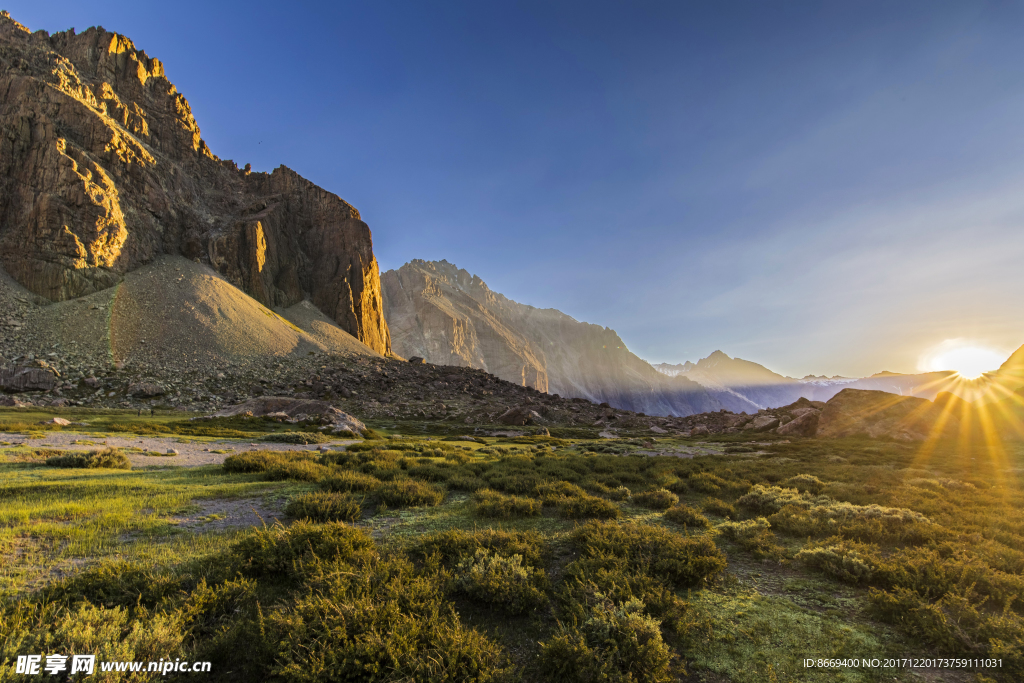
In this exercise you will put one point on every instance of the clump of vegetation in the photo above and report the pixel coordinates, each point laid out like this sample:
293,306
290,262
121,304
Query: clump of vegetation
262,461
553,493
301,438
503,581
108,458
754,535
325,506
658,499
589,507
407,493
456,545
806,483
717,506
681,560
685,515
346,480
488,503
617,643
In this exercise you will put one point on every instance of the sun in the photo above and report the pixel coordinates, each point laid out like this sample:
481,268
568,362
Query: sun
968,361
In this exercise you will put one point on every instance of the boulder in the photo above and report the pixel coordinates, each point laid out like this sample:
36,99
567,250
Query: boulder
806,424
878,414
659,430
145,390
763,423
700,430
285,408
521,415
57,421
10,402
26,379
417,359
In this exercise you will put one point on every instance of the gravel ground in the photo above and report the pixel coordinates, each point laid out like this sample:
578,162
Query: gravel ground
190,453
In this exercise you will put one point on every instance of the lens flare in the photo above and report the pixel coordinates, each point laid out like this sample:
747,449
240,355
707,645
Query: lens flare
969,361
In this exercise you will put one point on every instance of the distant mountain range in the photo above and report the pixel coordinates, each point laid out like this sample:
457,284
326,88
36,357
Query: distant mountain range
447,316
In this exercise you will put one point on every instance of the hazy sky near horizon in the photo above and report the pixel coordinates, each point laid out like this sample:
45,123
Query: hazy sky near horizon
818,187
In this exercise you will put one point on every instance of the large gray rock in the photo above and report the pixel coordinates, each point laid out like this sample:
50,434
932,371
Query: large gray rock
763,423
26,379
804,425
284,407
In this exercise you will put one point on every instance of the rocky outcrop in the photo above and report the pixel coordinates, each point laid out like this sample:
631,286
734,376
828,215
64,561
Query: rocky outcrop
296,410
17,379
102,168
442,313
877,414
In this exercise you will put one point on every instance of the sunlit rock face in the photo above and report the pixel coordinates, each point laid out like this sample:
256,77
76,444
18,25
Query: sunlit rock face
449,317
102,168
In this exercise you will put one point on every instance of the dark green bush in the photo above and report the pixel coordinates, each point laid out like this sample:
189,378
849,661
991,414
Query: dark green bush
705,482
384,623
457,545
589,507
503,581
109,458
325,506
488,503
298,470
685,515
616,644
111,584
406,493
520,483
658,499
372,434
552,493
716,506
261,461
276,549
619,493
466,482
349,481
302,438
754,535
653,550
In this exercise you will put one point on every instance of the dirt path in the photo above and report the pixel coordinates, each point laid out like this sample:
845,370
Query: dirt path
191,452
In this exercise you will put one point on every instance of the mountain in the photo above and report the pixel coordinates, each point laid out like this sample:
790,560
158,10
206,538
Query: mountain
740,385
449,317
103,169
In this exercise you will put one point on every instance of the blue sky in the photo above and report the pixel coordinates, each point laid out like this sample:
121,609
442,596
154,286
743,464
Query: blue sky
819,187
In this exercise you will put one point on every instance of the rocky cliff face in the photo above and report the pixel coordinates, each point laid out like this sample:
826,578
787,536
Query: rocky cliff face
449,317
102,168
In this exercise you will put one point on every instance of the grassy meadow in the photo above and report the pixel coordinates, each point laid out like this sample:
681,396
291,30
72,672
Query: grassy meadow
435,558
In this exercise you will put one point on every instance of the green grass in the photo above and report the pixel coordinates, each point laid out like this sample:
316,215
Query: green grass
851,548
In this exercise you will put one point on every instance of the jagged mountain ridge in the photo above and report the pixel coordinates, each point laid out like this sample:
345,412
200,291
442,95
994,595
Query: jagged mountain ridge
450,317
103,168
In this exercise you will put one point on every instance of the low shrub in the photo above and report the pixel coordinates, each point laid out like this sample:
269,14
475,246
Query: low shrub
552,493
619,493
456,545
521,482
109,458
325,506
806,483
589,507
841,561
261,461
488,503
301,438
372,434
276,549
116,583
658,499
466,482
705,482
685,515
500,580
618,643
653,550
407,493
754,535
716,506
349,481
